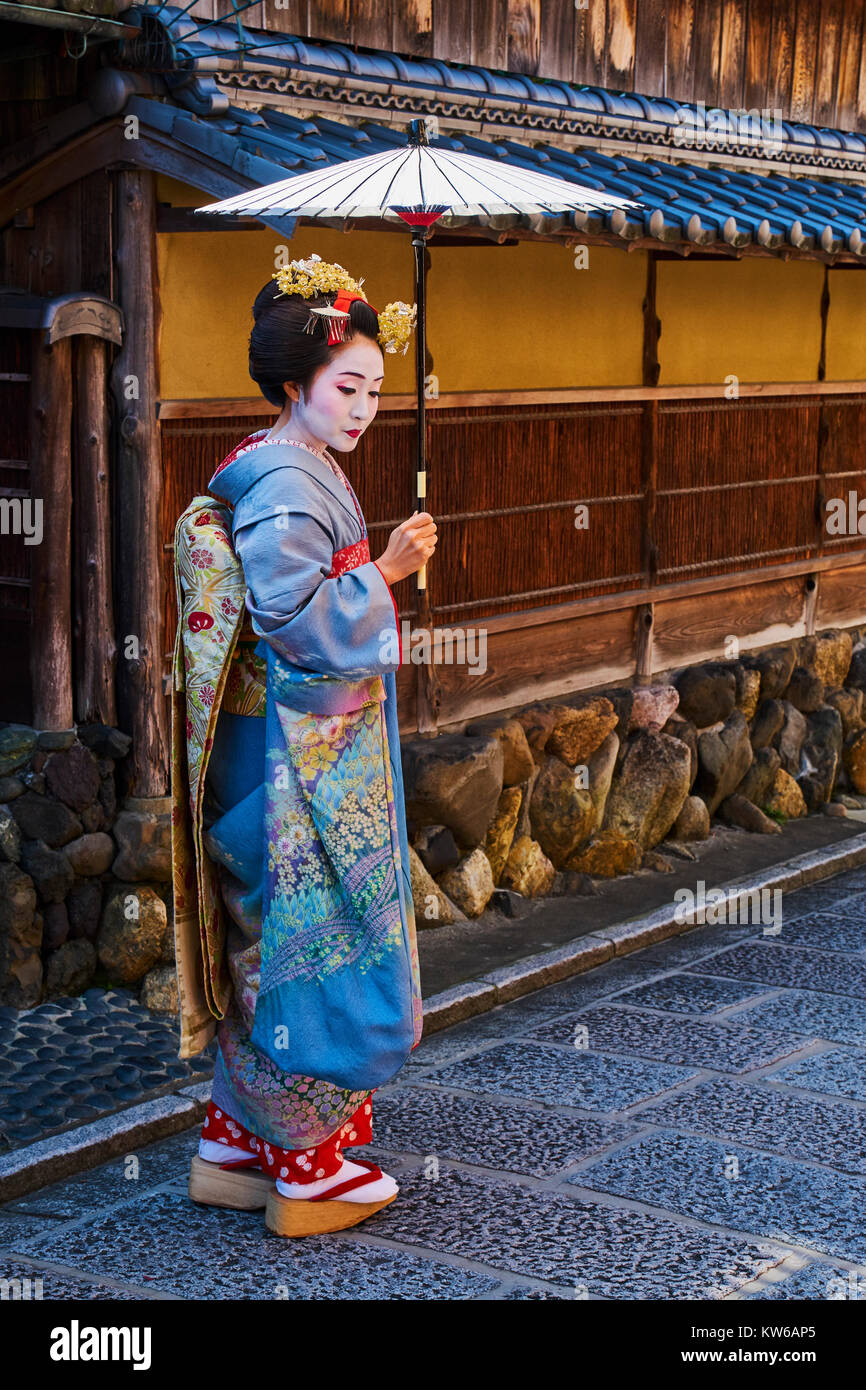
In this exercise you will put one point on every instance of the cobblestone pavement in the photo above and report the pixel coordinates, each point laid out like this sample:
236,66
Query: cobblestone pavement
687,1122
74,1059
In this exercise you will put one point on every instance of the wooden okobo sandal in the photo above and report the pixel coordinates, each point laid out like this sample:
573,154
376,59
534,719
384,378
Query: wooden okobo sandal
312,1216
221,1185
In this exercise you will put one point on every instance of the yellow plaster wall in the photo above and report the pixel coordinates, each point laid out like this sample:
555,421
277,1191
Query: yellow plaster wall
498,318
518,317
178,194
846,326
208,281
522,318
757,319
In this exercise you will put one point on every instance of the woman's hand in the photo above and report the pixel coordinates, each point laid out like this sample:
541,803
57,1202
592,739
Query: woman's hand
409,547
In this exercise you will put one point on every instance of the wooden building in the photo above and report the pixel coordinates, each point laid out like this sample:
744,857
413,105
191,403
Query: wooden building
635,425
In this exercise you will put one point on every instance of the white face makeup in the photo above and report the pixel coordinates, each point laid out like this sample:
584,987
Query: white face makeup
343,396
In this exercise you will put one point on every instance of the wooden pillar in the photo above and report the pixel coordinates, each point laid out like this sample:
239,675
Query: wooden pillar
811,590
644,617
94,609
142,706
645,613
651,326
51,486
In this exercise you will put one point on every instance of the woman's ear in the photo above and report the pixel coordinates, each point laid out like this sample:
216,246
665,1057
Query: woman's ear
292,391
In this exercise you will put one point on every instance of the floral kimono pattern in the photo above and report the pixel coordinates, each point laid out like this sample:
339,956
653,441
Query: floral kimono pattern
299,798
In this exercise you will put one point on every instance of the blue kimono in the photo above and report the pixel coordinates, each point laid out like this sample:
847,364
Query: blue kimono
305,811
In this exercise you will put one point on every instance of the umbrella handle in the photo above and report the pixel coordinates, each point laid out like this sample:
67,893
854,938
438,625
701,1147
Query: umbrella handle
422,498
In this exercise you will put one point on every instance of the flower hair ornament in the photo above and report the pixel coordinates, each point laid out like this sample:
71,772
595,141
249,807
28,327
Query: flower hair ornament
315,276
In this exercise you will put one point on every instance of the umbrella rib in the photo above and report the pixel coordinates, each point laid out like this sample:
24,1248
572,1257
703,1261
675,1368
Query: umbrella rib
408,153
516,175
312,181
441,168
521,180
344,173
400,156
325,179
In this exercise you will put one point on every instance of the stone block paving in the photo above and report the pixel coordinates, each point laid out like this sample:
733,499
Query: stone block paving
832,1133
836,1073
735,1187
686,1122
689,994
563,1076
767,962
723,1047
489,1134
75,1059
831,895
814,1015
826,931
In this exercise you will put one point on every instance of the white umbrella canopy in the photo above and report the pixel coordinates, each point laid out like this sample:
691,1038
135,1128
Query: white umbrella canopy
419,185
418,179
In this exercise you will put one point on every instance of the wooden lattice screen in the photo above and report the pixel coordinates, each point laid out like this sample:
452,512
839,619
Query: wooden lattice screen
734,485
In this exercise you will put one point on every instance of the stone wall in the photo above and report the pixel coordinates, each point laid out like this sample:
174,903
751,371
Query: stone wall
85,884
534,802
596,784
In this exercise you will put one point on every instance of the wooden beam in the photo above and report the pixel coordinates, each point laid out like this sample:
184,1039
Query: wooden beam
650,367
51,485
593,650
177,219
217,406
825,313
94,606
673,589
104,147
142,708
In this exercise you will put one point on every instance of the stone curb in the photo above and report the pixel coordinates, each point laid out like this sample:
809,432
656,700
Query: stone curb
63,1155
534,972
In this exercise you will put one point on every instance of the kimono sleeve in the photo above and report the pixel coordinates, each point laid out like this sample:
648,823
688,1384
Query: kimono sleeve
344,627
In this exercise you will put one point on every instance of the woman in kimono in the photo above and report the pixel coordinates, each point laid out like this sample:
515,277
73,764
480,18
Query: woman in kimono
303,809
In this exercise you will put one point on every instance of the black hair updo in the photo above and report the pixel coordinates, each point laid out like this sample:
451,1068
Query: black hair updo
280,349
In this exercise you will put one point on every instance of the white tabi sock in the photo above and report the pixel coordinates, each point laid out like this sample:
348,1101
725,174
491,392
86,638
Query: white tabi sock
368,1192
212,1152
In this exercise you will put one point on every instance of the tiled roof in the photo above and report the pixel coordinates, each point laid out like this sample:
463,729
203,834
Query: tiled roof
681,199
231,46
679,203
